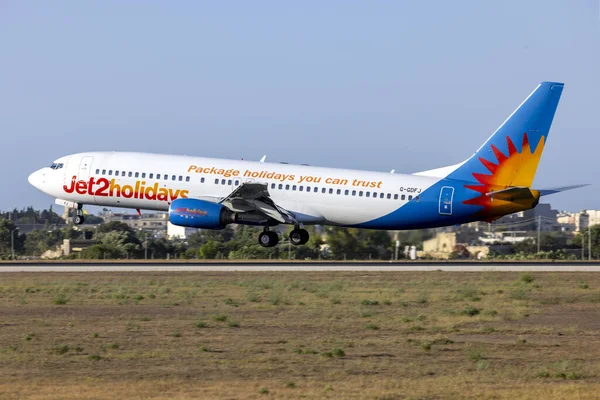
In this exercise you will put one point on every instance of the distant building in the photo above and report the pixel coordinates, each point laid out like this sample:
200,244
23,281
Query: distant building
179,232
528,220
444,243
575,222
504,237
153,223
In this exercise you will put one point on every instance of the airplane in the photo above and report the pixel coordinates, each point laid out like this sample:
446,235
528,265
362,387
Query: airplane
210,193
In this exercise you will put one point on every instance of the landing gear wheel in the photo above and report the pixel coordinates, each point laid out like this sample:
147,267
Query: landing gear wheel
299,236
78,219
268,239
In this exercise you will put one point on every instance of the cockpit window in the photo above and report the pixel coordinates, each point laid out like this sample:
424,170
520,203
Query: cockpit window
57,165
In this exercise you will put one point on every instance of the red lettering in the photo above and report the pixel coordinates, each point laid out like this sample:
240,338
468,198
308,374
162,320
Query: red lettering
151,192
113,187
81,187
174,195
70,189
127,191
91,186
103,186
163,195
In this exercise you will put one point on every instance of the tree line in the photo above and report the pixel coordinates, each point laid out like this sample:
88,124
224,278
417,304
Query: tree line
116,240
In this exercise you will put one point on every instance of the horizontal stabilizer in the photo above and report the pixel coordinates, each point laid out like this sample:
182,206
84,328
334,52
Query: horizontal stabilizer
545,192
512,194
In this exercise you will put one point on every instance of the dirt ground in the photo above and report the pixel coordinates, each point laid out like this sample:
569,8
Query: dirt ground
388,335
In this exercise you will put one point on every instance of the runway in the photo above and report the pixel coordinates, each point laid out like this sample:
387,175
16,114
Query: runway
301,267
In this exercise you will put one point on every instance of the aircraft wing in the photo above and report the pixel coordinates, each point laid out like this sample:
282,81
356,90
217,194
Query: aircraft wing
254,196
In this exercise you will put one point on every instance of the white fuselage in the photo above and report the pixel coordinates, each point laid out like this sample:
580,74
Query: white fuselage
152,181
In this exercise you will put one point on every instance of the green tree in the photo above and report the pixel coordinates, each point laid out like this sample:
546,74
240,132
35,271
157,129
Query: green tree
6,228
209,250
584,236
38,241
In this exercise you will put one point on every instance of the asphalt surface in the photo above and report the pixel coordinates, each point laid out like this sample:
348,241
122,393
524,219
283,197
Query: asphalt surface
300,266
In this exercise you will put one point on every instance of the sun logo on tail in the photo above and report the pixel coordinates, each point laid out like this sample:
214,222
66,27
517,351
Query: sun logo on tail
515,169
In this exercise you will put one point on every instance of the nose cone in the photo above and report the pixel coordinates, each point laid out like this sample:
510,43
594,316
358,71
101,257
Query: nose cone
37,179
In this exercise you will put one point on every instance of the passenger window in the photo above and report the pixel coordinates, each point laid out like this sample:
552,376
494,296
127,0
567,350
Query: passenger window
354,193
143,174
287,187
202,180
222,181
374,194
130,174
272,186
330,191
301,188
381,195
151,176
403,197
316,190
173,177
237,182
360,193
389,196
308,189
339,191
230,182
396,197
280,186
294,187
368,194
417,199
346,192
103,172
216,181
157,176
97,171
110,172
409,197
137,174
187,178
323,190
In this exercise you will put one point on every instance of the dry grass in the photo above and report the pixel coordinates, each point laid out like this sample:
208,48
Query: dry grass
293,335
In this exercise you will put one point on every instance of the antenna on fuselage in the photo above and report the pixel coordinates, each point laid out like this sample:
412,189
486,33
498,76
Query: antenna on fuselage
263,158
392,171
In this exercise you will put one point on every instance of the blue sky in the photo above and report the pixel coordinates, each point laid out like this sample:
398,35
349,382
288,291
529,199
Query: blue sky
374,85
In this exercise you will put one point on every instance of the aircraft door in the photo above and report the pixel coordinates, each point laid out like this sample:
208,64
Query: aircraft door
85,167
446,196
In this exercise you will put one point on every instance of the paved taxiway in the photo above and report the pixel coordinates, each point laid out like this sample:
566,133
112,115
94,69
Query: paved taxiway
306,267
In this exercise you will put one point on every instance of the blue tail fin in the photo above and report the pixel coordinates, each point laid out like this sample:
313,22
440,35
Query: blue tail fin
511,155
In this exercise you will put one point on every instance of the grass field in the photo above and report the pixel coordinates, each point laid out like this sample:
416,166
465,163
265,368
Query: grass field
261,335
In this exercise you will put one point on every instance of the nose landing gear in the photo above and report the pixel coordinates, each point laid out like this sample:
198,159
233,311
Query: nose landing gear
79,219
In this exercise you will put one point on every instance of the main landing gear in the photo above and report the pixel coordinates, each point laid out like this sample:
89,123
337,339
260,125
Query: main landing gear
299,236
268,238
78,219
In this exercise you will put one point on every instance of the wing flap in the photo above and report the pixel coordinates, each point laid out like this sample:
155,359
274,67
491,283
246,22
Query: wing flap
254,196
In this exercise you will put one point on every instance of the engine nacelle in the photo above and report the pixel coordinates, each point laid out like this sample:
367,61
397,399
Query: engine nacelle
202,214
